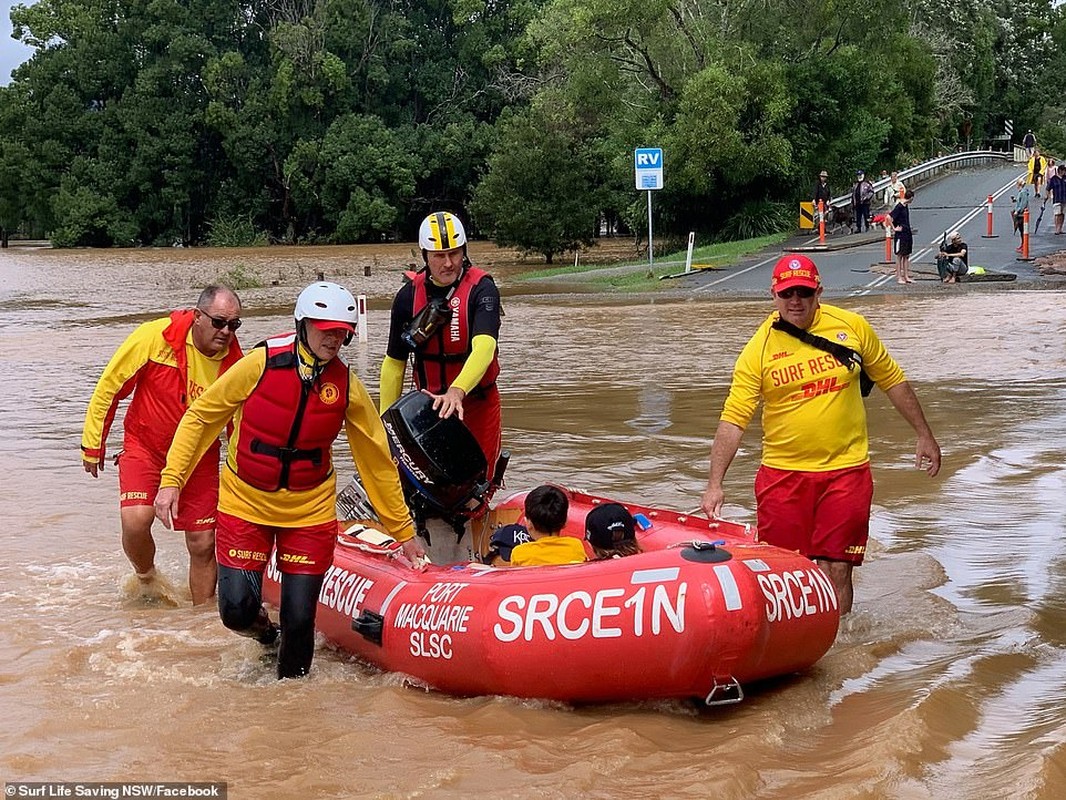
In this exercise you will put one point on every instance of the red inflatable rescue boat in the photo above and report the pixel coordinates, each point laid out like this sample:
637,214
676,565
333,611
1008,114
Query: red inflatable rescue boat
702,611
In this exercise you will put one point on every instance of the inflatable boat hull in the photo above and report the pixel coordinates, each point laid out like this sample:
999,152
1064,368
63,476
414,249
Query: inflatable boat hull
704,610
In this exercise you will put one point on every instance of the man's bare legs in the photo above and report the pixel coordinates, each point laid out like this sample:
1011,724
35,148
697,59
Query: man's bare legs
137,541
139,547
839,574
203,572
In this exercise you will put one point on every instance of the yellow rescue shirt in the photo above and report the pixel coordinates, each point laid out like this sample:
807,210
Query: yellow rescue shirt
548,550
814,419
202,369
286,508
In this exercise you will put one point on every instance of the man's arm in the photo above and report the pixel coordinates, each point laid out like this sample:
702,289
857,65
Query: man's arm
926,451
201,425
723,451
370,451
484,332
390,384
118,380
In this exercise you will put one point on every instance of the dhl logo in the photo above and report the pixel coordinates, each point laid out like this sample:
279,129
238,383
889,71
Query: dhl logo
820,387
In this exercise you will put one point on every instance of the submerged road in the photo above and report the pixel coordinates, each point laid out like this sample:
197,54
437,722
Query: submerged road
955,201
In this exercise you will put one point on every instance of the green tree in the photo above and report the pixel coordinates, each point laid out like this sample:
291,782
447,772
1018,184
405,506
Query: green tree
539,193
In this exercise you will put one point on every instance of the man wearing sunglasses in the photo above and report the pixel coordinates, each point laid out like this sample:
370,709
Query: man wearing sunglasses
165,364
813,490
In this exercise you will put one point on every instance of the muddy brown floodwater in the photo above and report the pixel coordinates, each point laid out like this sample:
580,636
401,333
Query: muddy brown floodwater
947,682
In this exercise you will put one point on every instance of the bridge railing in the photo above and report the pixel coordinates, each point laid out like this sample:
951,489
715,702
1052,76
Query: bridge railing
922,173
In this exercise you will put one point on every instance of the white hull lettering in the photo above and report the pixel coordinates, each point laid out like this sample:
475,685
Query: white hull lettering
344,591
607,614
431,645
443,592
433,617
795,594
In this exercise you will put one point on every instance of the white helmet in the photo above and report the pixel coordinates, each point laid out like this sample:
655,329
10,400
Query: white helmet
441,231
327,302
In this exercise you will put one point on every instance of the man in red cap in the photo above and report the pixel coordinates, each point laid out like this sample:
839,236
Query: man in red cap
288,401
808,363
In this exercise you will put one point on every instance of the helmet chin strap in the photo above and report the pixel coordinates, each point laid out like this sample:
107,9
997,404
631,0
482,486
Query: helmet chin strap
317,365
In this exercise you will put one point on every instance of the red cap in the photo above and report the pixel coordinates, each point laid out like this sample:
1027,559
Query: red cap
794,270
332,325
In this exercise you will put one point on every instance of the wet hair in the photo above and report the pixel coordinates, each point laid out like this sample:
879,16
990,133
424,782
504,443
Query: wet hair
629,547
208,295
546,508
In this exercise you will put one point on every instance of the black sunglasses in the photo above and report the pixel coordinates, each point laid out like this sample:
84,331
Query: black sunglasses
806,292
218,323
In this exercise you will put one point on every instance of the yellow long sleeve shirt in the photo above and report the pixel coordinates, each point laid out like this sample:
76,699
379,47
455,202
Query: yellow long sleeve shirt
814,419
224,400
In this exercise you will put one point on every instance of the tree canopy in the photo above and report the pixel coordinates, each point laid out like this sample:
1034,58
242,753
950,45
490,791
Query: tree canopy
160,121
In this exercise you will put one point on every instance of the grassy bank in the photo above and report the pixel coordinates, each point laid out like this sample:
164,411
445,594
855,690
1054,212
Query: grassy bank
638,276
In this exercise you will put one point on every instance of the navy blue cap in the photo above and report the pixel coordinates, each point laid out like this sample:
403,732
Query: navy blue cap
610,525
506,539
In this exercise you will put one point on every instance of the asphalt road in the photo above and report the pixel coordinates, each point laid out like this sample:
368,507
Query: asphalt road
954,201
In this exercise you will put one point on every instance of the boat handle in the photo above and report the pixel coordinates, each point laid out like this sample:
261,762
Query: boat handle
731,692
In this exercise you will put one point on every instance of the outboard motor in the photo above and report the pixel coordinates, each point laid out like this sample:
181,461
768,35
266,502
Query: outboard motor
442,468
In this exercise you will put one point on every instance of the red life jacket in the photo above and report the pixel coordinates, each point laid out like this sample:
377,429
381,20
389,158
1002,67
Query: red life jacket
440,359
287,427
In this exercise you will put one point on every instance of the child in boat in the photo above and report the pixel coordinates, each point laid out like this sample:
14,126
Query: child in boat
503,541
546,509
611,531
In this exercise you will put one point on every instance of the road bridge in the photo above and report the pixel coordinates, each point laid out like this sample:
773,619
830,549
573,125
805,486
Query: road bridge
953,200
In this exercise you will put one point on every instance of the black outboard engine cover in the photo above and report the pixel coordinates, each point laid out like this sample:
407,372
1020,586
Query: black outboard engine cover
442,468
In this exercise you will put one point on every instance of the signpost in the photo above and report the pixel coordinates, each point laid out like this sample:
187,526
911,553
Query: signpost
648,164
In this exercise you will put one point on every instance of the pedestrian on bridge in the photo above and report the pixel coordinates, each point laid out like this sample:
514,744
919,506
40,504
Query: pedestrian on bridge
810,365
1056,187
894,191
1036,170
821,193
862,194
904,237
1021,205
1029,143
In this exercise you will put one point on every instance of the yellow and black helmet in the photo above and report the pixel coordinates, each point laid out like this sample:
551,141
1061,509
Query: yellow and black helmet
441,231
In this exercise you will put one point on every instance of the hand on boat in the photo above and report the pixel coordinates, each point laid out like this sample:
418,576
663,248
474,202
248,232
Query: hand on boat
451,402
166,505
711,502
415,553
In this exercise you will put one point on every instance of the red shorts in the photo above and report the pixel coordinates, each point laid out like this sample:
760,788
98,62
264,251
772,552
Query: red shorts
820,514
301,551
481,413
138,481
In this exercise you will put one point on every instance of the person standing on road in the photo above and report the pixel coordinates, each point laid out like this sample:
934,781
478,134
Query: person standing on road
862,194
1056,187
904,237
448,319
165,364
821,192
1029,143
894,191
1036,171
288,400
806,362
1021,205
